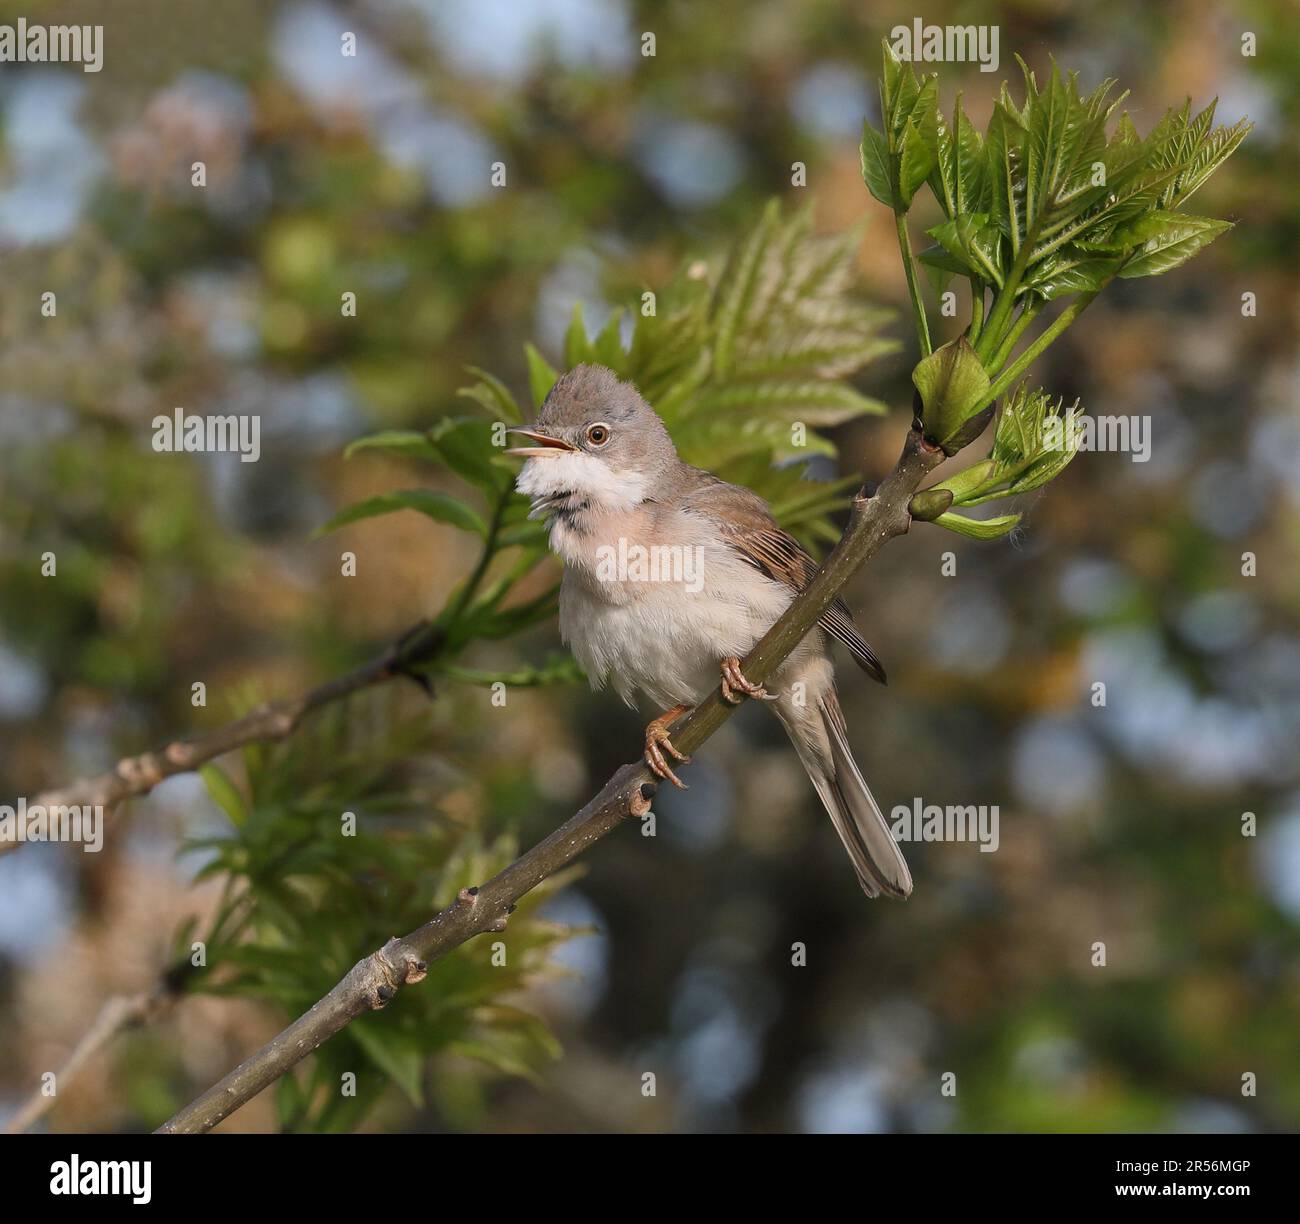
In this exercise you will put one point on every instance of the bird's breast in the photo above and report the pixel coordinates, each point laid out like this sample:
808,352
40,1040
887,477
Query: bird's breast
656,613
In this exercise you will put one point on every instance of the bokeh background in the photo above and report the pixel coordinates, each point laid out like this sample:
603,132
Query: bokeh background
1120,824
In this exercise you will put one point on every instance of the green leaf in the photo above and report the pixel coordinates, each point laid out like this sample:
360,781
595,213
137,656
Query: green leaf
441,507
899,90
941,267
558,669
1046,469
716,443
410,443
403,1064
978,529
1032,444
493,395
969,481
577,348
523,535
960,177
1070,203
1212,152
506,622
813,403
896,162
916,159
1053,118
1177,241
974,244
541,377
1005,151
465,444
952,381
1071,270
737,289
608,347
877,166
290,1100
224,793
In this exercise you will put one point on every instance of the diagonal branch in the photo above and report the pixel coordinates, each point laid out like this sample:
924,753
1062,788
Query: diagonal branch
373,981
119,1013
275,720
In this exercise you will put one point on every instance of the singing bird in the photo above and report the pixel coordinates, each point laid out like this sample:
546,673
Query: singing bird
672,575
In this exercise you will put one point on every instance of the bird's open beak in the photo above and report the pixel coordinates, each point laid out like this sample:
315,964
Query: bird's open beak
546,445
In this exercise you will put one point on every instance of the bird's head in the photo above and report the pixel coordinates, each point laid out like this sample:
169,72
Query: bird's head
595,444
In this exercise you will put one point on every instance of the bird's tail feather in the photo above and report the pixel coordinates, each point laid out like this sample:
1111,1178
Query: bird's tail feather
858,820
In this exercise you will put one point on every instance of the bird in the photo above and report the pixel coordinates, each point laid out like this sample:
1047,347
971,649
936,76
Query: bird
670,577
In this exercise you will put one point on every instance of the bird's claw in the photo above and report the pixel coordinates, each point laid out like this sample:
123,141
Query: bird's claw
657,742
733,679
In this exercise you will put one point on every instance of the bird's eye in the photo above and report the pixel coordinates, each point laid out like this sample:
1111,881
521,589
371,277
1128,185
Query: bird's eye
598,435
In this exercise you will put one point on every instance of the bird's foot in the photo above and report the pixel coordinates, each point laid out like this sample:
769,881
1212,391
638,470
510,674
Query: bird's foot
657,742
733,681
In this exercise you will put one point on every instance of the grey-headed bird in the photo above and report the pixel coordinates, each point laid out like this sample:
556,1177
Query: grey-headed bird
670,578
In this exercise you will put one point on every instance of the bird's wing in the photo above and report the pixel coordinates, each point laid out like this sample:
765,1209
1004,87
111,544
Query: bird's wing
748,526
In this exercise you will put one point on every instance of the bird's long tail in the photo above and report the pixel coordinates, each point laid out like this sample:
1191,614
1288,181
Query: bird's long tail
820,737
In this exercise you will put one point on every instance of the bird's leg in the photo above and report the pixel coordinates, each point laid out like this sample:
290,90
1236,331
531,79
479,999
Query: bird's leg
656,735
734,679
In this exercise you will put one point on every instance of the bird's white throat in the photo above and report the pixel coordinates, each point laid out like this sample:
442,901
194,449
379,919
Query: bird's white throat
584,477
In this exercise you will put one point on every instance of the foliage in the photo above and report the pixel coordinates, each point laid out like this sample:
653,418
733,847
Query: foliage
304,898
736,359
735,356
1044,206
173,568
745,360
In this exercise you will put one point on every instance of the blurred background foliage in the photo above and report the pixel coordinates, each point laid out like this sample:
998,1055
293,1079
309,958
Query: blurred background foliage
1119,824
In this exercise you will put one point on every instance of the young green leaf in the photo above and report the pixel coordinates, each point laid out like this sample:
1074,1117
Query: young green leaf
465,444
493,395
941,267
403,1063
409,442
878,166
577,348
1179,238
974,245
898,91
607,349
978,529
738,288
224,793
541,376
960,177
951,382
917,152
1005,149
441,507
558,669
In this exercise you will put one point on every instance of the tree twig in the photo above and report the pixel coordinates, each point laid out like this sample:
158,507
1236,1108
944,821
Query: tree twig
373,981
275,720
118,1014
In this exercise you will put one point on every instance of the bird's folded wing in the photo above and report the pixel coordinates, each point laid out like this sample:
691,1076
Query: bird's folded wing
748,526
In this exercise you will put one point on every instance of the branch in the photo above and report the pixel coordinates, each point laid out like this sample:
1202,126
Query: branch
275,720
118,1014
374,980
